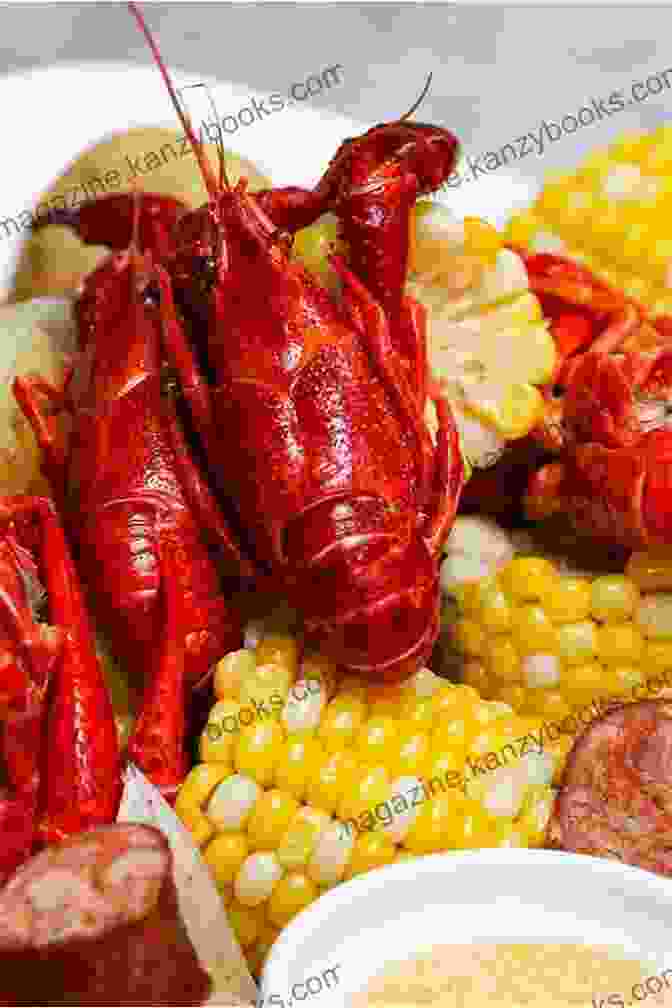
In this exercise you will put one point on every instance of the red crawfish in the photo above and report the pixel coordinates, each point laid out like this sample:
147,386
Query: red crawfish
614,476
310,411
132,491
58,739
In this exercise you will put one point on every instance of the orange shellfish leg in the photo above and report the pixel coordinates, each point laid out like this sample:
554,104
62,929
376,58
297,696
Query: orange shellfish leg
158,742
197,393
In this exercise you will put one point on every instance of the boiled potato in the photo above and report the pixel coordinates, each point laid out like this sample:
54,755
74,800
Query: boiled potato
53,261
36,336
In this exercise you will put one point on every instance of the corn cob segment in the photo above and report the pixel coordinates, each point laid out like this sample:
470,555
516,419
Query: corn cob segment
555,645
489,347
309,779
612,214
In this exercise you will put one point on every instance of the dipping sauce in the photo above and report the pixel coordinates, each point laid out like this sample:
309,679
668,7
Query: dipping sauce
494,975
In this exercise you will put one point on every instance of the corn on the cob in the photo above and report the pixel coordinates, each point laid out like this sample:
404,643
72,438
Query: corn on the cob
488,344
319,779
612,214
552,644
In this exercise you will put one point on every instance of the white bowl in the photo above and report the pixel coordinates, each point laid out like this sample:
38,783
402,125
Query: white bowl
399,911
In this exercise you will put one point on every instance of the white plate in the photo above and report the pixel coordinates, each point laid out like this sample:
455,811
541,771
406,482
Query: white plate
53,114
397,912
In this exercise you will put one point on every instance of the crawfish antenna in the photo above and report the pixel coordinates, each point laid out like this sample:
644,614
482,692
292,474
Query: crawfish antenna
416,105
223,177
196,144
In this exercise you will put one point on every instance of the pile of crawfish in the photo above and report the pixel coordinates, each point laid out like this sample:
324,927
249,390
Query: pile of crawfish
231,419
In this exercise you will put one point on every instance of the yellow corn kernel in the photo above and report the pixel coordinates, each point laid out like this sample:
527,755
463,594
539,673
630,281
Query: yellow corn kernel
528,578
301,836
372,788
224,718
550,704
438,825
217,745
231,671
245,921
444,766
332,780
199,784
258,750
657,656
503,661
494,611
413,752
378,740
568,599
418,709
522,228
619,643
292,893
583,683
468,637
651,570
386,701
482,239
279,649
268,686
199,826
454,699
577,642
371,850
532,631
613,598
341,722
512,694
270,818
297,760
224,856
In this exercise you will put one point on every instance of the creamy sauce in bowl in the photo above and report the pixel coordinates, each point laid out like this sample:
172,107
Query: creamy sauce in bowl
509,976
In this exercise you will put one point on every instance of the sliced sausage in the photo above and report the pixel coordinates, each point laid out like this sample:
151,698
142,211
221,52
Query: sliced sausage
615,798
95,921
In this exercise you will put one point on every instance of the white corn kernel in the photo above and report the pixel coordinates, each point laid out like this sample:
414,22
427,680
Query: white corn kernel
257,878
331,855
541,670
401,824
232,802
622,182
504,796
303,707
538,768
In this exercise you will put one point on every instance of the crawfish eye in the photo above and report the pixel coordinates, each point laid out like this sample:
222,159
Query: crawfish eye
558,391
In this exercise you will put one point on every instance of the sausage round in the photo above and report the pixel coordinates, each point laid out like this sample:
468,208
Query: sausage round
615,798
95,921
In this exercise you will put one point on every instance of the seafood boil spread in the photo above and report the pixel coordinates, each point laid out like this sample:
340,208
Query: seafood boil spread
344,520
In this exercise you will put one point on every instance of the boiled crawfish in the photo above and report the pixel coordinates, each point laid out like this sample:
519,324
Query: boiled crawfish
58,740
310,412
138,507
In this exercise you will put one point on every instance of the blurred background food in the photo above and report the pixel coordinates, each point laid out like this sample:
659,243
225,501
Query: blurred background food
53,261
613,213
